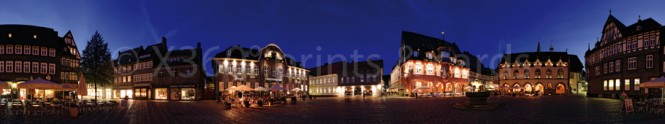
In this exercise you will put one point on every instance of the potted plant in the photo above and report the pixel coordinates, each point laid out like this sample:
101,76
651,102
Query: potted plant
73,110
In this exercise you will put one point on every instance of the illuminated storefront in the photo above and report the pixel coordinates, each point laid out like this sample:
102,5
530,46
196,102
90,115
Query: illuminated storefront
161,93
29,52
139,73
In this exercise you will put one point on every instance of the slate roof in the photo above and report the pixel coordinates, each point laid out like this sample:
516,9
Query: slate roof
574,61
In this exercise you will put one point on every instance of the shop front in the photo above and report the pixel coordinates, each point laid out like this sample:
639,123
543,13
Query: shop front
120,92
142,91
182,92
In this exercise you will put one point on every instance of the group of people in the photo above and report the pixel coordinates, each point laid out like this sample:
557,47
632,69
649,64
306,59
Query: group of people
259,98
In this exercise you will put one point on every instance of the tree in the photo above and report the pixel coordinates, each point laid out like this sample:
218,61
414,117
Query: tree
96,64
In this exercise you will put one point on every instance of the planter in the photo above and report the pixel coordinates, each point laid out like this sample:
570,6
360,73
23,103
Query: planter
74,112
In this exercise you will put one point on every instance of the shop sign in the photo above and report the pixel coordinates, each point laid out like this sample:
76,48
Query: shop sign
273,79
182,86
142,85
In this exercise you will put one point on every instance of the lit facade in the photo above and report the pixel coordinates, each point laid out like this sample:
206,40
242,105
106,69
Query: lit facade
429,65
154,72
30,52
624,57
265,67
347,78
540,72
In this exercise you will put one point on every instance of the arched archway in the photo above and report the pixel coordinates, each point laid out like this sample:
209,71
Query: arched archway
528,88
517,88
449,87
456,88
506,88
539,88
439,87
560,89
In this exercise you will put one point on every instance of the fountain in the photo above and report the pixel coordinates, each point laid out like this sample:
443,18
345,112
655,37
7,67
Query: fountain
477,101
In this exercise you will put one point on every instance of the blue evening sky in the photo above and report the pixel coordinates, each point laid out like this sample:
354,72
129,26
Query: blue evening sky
482,27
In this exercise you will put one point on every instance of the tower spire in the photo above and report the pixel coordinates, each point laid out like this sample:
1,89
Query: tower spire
538,49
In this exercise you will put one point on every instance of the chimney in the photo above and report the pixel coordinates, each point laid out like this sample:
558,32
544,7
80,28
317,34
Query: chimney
198,45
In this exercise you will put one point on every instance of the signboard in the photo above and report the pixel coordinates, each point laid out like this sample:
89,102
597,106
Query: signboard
628,102
182,86
143,84
273,79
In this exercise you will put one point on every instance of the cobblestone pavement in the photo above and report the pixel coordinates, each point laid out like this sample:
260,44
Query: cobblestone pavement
548,109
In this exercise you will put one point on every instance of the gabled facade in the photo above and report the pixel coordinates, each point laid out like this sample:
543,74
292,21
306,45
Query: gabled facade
540,72
30,52
429,65
624,57
265,67
155,72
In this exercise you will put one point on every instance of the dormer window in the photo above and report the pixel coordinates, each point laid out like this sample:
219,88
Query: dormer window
639,28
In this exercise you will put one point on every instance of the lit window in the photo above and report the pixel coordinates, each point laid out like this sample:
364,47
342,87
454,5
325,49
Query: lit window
35,67
9,66
18,49
10,49
2,49
626,84
617,84
18,66
611,83
43,68
51,68
649,62
51,52
26,67
44,51
35,50
27,50
2,66
617,66
636,86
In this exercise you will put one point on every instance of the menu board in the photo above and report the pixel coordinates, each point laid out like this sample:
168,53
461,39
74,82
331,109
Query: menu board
628,102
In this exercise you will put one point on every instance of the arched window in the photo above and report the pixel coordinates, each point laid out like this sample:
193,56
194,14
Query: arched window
526,74
516,74
505,74
559,74
537,73
548,74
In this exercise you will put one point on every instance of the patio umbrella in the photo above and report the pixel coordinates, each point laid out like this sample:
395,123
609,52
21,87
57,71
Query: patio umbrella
65,88
232,88
656,83
276,87
295,89
260,89
244,88
38,83
81,90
